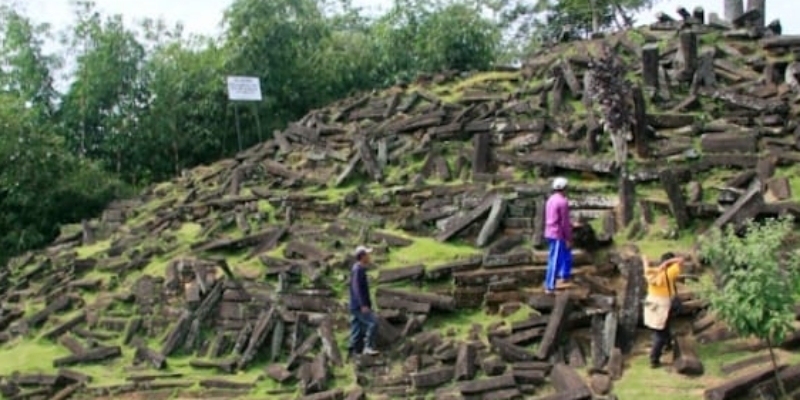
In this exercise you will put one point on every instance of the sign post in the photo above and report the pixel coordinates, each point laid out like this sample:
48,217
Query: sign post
244,88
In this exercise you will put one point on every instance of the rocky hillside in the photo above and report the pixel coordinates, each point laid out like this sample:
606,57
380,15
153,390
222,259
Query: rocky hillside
230,279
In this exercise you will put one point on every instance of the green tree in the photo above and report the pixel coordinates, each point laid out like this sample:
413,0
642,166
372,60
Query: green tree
424,36
276,41
186,122
27,72
145,102
101,110
756,279
456,36
580,18
41,184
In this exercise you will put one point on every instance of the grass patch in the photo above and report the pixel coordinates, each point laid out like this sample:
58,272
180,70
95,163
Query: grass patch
337,193
636,37
427,251
249,269
653,248
710,38
714,357
69,229
93,249
792,173
188,232
481,78
460,324
265,206
164,187
29,355
278,251
147,211
578,106
185,235
639,381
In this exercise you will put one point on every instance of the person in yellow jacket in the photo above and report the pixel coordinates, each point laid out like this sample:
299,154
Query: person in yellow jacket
658,305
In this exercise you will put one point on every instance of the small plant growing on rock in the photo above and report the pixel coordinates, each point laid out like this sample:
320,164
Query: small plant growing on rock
755,281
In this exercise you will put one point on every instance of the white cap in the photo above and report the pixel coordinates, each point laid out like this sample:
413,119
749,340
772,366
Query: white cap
559,183
362,249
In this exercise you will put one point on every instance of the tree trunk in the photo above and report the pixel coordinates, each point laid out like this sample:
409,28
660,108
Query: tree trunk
775,369
176,157
625,17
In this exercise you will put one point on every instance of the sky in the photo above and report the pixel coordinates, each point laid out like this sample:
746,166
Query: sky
204,16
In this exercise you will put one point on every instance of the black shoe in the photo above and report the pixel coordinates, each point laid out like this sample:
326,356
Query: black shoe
655,364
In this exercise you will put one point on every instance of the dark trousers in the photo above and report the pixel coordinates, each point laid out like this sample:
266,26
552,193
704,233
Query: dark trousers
661,339
362,330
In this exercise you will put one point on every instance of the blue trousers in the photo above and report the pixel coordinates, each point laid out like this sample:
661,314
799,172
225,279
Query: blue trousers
362,327
559,263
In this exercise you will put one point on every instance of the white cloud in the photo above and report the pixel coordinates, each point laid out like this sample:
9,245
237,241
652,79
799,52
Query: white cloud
204,16
198,16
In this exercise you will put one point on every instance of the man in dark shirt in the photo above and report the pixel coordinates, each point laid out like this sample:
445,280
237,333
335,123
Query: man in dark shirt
362,319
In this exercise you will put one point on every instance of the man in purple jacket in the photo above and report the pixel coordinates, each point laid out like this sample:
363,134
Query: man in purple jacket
362,321
558,232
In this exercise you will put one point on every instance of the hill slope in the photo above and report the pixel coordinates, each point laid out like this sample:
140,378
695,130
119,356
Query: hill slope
230,279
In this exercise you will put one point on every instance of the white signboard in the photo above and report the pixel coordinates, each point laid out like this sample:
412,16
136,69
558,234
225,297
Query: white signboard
244,88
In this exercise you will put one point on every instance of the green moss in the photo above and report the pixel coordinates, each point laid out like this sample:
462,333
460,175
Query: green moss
460,324
158,265
248,268
578,106
481,78
636,37
29,355
278,251
596,224
522,175
710,38
336,193
164,187
69,229
394,173
792,173
188,232
265,206
93,249
427,251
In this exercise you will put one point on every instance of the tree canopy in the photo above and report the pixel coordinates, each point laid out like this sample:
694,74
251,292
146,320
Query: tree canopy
142,101
757,275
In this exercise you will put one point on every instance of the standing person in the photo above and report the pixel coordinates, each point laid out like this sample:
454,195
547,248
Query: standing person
558,232
362,321
659,303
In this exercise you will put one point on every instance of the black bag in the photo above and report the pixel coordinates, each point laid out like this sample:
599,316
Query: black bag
674,301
